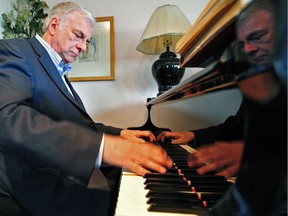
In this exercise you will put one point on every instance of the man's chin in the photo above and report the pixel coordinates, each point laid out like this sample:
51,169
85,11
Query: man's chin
72,59
262,60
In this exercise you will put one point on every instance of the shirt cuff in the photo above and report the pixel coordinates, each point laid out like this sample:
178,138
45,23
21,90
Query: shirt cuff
100,154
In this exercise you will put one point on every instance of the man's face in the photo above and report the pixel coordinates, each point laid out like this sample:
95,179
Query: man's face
255,37
71,37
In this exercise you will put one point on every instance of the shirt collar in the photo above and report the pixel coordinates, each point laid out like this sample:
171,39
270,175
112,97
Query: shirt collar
61,67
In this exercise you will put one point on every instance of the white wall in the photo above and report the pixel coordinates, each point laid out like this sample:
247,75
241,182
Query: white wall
122,102
5,5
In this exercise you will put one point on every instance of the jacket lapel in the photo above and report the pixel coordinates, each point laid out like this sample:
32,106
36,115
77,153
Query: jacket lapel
76,96
51,70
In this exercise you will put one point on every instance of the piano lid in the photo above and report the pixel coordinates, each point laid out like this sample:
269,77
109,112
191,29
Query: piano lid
217,76
210,34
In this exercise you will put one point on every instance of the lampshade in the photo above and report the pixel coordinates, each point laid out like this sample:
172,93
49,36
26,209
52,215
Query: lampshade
166,20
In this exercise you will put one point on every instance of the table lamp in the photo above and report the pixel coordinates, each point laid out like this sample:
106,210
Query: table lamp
165,27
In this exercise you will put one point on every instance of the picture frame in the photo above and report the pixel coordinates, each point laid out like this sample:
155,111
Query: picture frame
98,62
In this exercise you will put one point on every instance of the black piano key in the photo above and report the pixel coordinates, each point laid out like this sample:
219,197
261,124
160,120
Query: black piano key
211,196
195,183
199,195
208,197
167,187
181,164
174,170
187,170
188,209
189,194
210,188
179,153
179,201
188,176
167,175
180,183
173,148
175,201
192,170
184,168
212,178
179,158
167,181
162,186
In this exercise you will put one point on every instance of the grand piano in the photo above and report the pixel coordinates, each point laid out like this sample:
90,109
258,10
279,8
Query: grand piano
181,191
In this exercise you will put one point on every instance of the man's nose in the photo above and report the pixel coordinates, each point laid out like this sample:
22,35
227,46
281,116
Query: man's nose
82,45
250,47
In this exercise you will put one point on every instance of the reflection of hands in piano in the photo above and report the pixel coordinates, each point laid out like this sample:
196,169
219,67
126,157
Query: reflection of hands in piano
134,156
222,157
138,135
177,137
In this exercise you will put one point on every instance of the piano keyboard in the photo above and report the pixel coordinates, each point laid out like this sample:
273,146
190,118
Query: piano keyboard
132,200
180,191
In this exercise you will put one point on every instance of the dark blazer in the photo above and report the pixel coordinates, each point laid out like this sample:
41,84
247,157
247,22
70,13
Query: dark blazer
48,142
265,155
231,129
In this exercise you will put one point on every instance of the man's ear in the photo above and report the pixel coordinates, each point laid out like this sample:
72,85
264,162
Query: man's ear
53,25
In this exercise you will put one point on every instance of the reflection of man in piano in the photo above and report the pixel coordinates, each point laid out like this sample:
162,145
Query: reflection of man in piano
266,140
255,40
265,89
51,150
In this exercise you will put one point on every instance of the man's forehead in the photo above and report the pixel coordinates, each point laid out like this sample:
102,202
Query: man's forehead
82,24
259,17
256,22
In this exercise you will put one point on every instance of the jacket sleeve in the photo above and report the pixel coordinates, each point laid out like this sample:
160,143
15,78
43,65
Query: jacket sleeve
230,129
108,129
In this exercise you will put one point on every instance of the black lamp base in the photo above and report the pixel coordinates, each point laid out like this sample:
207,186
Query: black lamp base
167,72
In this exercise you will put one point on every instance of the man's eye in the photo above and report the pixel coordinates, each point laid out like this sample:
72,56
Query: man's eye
257,38
77,36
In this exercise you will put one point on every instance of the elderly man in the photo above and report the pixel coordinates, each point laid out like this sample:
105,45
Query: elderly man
51,150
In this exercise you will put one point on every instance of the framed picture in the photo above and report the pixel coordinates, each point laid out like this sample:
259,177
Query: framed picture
98,62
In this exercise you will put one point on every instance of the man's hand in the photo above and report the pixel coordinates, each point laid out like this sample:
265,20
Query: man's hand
222,157
138,135
139,158
179,137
